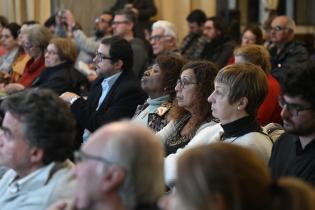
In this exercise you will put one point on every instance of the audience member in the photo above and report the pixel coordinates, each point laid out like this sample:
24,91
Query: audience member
9,40
123,24
269,110
116,92
18,66
219,47
159,82
294,152
144,10
120,167
3,22
36,39
194,42
37,136
287,53
225,177
163,37
238,93
60,74
252,35
87,46
192,112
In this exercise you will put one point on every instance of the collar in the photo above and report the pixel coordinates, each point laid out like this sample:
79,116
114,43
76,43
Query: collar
240,127
309,147
158,101
111,80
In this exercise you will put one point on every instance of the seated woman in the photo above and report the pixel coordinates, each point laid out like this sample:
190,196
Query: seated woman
269,111
239,91
192,110
36,39
228,177
60,74
252,34
9,40
159,82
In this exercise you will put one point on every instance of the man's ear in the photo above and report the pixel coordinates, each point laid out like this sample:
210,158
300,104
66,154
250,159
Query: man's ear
114,177
118,64
37,155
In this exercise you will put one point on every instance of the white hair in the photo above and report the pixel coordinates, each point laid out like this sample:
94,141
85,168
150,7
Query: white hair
168,27
139,152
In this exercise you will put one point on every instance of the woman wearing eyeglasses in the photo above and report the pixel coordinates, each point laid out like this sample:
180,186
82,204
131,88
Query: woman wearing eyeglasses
192,110
60,74
159,82
239,89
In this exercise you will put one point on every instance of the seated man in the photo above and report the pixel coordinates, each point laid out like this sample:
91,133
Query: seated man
286,53
293,154
116,92
37,137
120,167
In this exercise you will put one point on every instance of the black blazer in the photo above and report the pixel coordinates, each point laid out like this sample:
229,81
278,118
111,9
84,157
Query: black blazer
120,102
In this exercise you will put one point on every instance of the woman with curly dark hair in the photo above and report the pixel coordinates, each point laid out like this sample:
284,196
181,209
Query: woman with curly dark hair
158,82
191,111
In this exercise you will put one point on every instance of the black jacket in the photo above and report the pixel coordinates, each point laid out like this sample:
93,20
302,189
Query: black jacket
62,78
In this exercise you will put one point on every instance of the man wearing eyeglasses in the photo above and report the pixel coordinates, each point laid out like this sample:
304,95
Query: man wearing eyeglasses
163,37
88,45
293,154
120,167
36,140
116,92
286,53
123,25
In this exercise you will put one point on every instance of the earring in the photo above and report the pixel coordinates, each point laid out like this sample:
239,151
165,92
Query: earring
238,108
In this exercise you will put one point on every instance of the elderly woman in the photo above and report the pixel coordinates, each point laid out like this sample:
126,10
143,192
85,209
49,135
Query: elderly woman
192,110
269,111
239,91
9,40
60,74
36,40
228,177
159,82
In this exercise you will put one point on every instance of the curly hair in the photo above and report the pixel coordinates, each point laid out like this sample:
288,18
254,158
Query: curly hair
47,122
205,72
171,65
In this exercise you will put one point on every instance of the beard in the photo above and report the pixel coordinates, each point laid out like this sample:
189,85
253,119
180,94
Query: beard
99,33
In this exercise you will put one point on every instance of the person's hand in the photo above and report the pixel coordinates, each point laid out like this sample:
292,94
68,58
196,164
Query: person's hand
69,18
13,88
68,96
62,205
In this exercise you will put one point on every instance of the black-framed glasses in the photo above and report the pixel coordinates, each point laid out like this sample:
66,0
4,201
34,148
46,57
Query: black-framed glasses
50,52
157,38
80,156
184,83
277,28
120,22
294,109
101,57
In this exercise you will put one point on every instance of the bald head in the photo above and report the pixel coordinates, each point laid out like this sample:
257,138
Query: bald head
282,30
136,150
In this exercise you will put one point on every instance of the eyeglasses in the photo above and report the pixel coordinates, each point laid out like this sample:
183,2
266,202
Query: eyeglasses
157,38
184,83
119,22
50,52
294,109
277,28
101,57
80,156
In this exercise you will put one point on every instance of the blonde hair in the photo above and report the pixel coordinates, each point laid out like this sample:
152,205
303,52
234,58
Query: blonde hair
255,54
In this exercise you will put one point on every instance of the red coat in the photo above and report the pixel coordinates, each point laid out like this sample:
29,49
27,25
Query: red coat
269,110
32,70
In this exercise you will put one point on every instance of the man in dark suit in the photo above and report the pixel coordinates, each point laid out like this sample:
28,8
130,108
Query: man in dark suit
116,92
